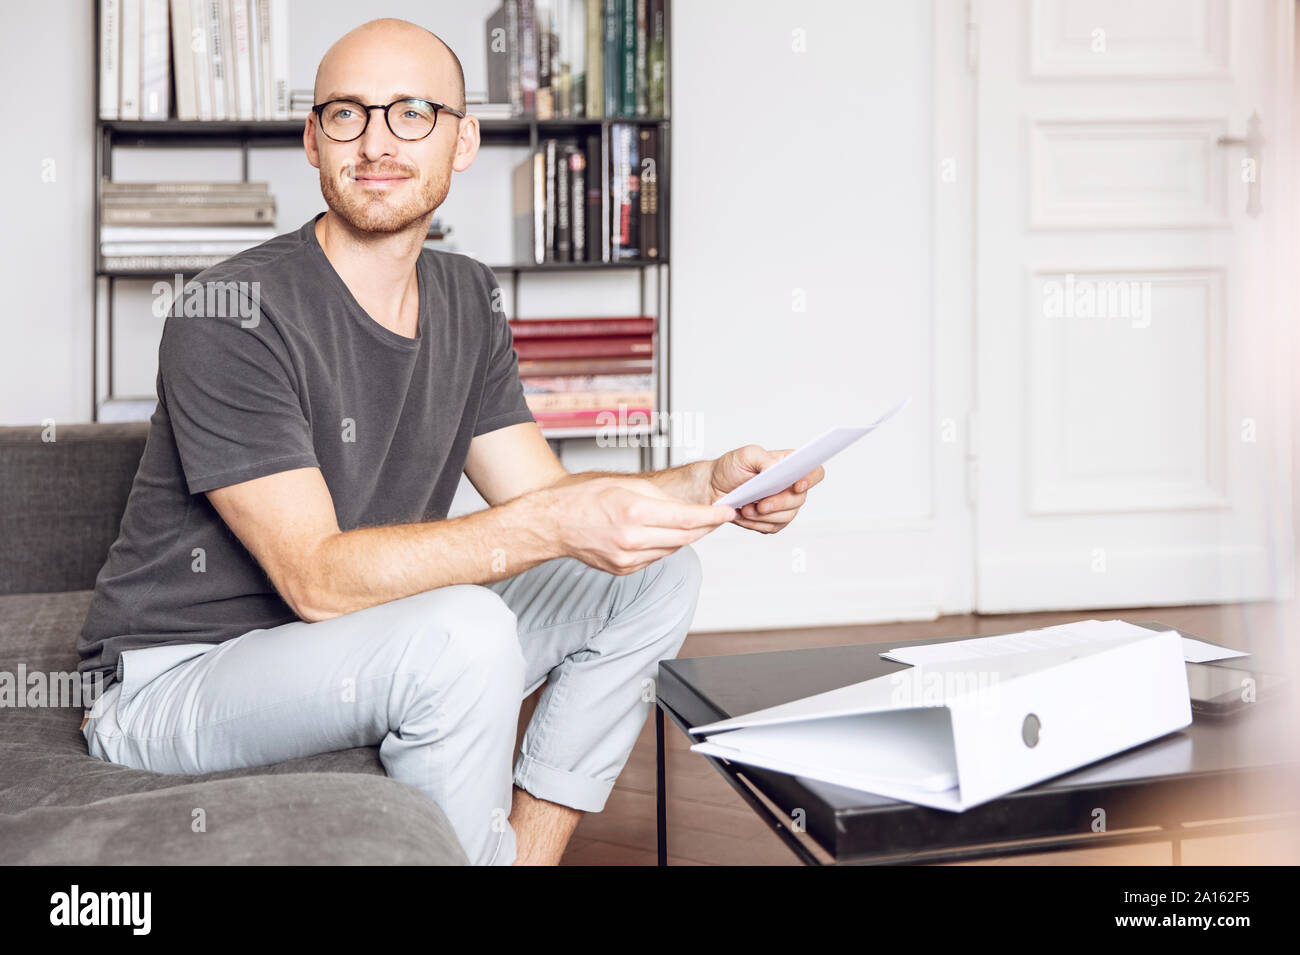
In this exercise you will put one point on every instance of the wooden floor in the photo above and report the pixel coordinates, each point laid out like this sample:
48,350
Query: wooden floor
709,824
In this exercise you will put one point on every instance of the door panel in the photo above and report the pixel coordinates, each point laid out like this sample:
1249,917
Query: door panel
1132,434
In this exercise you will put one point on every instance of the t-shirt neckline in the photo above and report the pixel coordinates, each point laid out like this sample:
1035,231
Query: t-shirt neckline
385,335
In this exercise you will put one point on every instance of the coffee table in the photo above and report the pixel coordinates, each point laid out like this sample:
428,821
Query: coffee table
1218,776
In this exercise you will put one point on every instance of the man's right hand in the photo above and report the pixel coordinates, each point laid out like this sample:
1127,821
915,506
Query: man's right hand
620,525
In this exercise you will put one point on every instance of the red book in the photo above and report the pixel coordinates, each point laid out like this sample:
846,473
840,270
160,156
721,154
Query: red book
613,418
580,327
627,346
586,366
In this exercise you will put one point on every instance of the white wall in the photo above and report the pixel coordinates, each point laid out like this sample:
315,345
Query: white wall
801,198
47,166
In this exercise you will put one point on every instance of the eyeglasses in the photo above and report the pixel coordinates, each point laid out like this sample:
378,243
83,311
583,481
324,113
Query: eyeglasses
344,120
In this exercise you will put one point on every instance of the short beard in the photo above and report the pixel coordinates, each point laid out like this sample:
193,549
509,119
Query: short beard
381,213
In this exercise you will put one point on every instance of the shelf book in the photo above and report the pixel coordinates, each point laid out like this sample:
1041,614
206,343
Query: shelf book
184,225
570,59
225,59
586,372
589,200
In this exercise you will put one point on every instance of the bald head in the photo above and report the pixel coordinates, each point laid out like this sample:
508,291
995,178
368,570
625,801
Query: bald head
385,59
379,182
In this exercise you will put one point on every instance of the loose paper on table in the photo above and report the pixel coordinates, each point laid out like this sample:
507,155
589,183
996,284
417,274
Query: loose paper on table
1085,631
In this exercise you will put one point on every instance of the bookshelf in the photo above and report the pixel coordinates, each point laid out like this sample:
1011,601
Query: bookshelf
652,275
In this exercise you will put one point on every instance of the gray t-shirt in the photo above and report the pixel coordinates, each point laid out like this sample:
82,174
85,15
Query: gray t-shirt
305,379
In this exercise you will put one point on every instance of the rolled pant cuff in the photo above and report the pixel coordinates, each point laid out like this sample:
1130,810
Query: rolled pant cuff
558,786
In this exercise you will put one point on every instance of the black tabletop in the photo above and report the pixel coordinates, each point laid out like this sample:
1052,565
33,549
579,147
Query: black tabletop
1217,768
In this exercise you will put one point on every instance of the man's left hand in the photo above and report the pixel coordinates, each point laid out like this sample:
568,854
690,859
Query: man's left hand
769,514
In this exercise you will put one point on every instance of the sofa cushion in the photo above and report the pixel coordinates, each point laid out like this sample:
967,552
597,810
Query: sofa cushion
317,819
44,766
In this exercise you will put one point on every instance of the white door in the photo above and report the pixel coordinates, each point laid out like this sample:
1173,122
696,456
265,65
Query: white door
1131,286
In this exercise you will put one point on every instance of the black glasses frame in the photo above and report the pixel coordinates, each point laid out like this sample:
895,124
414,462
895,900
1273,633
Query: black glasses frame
437,108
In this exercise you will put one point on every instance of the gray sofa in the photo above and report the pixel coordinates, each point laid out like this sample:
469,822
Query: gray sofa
60,506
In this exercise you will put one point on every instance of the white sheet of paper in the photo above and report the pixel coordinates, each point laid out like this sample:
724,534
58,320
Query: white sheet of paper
799,463
1085,631
1198,651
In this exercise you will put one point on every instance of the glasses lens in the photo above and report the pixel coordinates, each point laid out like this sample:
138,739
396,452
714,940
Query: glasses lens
412,118
343,119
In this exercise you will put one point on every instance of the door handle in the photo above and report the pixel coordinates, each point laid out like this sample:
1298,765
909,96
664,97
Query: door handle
1252,141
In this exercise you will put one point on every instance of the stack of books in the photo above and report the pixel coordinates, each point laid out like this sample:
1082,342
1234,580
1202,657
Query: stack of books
480,105
227,59
182,225
300,103
565,59
586,372
594,201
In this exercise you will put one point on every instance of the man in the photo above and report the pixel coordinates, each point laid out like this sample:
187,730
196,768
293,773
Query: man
286,581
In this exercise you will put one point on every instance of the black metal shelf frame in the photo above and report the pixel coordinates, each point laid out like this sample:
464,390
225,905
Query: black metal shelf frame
245,135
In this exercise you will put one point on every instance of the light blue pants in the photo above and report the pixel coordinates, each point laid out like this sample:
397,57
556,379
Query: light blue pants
436,680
